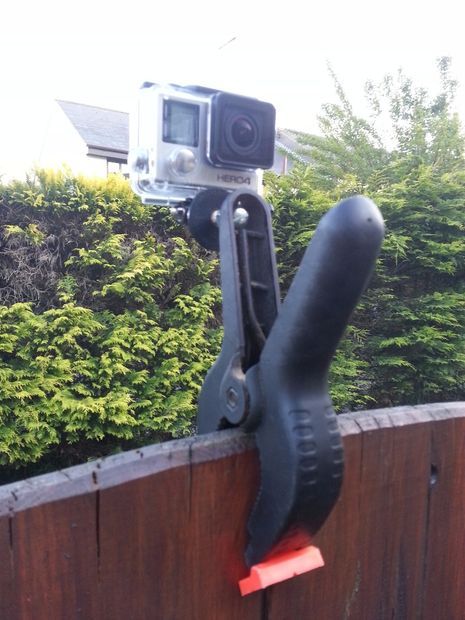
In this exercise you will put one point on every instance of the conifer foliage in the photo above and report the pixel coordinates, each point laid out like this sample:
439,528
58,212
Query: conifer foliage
406,343
108,311
107,320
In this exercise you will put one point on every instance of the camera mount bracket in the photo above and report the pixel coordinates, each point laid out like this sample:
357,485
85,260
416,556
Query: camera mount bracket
249,283
271,376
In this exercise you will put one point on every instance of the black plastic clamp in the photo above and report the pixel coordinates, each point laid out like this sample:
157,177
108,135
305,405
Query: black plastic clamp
271,376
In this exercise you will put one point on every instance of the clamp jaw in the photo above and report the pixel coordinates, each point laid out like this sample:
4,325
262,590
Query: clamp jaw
271,377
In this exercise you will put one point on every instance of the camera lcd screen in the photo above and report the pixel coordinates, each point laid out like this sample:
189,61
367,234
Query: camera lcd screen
181,122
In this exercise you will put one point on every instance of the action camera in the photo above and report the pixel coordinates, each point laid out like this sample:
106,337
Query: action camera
187,139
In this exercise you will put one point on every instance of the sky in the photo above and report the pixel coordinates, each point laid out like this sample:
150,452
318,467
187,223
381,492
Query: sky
98,52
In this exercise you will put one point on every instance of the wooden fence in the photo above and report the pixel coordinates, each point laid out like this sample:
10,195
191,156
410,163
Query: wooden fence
159,533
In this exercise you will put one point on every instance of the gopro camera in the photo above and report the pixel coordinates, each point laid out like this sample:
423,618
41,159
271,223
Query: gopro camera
187,139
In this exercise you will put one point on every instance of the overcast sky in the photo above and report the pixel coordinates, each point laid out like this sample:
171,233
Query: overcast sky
98,52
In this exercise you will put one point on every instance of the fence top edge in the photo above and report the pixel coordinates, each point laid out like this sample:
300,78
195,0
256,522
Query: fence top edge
121,468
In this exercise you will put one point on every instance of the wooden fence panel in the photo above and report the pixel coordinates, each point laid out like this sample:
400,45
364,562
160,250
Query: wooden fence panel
445,543
217,557
159,533
300,596
7,608
144,550
56,570
394,487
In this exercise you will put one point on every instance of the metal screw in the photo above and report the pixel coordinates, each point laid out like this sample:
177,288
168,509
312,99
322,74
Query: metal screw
240,217
180,213
215,217
232,398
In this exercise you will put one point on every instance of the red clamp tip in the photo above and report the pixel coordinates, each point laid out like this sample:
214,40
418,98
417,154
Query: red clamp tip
281,567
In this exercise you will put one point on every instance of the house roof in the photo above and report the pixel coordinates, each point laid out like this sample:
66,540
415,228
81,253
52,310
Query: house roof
105,132
286,141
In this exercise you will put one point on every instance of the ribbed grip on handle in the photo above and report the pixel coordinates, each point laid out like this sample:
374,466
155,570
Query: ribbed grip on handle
297,433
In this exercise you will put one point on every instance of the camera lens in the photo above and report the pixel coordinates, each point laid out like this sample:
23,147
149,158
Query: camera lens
243,132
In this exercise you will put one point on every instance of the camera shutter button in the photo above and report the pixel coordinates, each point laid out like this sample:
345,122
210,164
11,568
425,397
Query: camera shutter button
182,161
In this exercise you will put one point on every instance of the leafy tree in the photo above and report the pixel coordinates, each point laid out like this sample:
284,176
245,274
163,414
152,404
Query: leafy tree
406,127
416,319
406,342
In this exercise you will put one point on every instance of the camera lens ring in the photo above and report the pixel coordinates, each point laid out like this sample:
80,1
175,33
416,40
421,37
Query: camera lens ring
242,134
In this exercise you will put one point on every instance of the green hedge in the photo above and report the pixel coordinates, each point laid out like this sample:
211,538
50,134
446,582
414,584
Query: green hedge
406,341
107,319
109,313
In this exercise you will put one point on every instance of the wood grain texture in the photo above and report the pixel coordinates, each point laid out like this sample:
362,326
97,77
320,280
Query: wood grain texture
7,588
144,548
171,545
445,543
55,564
159,533
218,537
338,541
394,486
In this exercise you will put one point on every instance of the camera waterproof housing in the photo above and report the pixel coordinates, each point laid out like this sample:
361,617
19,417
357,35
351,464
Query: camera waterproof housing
187,139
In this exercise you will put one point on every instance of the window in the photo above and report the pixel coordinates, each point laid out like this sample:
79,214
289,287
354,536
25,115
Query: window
114,166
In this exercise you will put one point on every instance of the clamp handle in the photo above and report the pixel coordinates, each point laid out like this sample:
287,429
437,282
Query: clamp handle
271,376
295,426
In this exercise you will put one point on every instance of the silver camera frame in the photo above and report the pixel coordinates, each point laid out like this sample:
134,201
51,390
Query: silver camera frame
168,174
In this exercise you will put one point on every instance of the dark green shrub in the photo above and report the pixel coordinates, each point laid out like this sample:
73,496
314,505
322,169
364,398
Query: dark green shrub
406,344
107,324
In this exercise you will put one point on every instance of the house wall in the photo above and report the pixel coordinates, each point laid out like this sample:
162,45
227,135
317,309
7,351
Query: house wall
282,163
63,146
